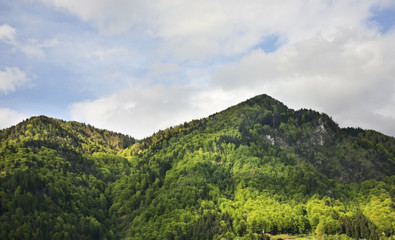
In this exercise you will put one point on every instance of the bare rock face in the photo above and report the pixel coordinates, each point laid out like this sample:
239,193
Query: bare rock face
347,155
322,133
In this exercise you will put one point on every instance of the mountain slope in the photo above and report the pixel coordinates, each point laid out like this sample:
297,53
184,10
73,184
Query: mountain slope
55,177
255,166
347,155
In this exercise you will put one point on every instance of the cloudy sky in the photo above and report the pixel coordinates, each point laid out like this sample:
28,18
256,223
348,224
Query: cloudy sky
139,66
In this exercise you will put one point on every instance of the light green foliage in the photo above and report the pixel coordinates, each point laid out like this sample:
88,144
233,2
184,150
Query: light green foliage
381,211
255,166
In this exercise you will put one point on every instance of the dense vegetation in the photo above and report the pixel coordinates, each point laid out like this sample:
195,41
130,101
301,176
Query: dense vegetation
253,167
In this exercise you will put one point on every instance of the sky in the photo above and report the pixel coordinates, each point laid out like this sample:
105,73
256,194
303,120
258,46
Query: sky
136,67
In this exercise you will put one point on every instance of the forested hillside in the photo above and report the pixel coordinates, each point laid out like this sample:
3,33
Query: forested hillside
257,166
56,178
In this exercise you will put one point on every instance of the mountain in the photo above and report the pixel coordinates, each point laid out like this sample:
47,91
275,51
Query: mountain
257,166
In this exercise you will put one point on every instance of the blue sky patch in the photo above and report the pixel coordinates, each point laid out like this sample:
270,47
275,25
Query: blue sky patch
384,19
269,44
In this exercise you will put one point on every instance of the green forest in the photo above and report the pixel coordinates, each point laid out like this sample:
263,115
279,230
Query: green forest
257,170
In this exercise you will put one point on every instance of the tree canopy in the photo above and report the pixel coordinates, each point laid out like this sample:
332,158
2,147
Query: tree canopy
257,166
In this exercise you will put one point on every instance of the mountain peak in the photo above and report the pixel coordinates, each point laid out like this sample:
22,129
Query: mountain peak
79,136
207,179
265,101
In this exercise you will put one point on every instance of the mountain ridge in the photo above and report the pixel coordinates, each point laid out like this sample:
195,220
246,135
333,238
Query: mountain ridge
256,165
270,112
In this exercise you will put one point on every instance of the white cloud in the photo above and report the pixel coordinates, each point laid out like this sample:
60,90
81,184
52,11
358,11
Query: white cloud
31,48
9,117
34,48
141,112
12,78
199,30
109,16
349,75
32,51
136,112
7,33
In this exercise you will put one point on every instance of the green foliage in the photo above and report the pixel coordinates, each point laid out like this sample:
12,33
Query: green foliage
52,186
257,166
